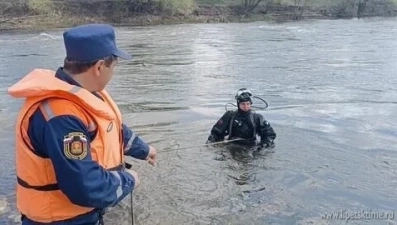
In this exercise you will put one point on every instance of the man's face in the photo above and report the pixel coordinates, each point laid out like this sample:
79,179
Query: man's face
245,106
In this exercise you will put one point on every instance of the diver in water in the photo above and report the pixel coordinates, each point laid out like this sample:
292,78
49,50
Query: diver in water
243,124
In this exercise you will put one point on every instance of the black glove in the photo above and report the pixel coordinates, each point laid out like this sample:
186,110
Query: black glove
211,139
267,144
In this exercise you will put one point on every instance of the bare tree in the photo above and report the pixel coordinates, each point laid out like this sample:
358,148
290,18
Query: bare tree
250,5
361,7
298,9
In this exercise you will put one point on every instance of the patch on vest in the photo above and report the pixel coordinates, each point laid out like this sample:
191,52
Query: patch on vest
75,145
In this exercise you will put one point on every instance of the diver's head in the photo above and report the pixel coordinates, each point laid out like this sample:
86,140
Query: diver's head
244,100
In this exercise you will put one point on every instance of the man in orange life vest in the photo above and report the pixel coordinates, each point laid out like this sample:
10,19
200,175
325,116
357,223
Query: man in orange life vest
70,138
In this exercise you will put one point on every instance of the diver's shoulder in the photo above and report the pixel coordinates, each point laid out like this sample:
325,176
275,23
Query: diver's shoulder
229,113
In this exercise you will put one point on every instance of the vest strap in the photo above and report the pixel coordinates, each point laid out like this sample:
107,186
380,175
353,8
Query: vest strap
231,126
54,187
47,187
117,168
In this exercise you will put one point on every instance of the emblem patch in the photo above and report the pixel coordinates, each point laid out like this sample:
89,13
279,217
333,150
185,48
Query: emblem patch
75,145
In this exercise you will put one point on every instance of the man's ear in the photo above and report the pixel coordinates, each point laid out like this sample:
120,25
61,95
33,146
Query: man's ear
98,67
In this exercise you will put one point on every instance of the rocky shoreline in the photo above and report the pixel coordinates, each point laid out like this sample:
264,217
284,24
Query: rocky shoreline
44,22
202,14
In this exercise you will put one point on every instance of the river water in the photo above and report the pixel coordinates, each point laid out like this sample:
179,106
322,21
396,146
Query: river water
331,86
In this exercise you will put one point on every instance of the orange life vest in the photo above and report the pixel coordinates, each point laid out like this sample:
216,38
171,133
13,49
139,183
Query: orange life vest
37,195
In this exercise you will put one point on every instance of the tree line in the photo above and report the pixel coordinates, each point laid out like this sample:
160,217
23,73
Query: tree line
130,8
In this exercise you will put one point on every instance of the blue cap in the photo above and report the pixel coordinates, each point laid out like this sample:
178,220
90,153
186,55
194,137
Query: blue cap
91,42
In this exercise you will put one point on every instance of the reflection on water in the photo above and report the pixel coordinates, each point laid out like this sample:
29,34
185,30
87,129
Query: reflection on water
332,96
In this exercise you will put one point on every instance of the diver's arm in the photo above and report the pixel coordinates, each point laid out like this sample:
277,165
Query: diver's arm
266,131
220,129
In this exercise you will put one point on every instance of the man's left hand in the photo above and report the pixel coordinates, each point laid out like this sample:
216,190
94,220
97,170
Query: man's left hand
269,144
152,156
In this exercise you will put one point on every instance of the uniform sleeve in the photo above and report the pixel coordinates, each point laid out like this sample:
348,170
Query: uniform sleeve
134,145
266,131
220,129
82,180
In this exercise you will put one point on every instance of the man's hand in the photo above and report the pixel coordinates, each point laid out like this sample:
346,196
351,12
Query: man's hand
269,144
211,139
135,175
152,156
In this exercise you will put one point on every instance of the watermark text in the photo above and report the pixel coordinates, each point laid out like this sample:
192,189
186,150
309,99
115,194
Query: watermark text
358,215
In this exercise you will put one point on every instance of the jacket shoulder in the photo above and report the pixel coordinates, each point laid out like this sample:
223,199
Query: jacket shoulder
257,115
54,107
229,113
259,118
